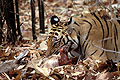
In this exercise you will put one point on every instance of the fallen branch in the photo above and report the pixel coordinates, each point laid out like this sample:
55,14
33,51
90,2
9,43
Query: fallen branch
12,64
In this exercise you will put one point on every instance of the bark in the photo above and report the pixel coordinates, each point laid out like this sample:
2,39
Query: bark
1,25
10,20
18,20
41,16
33,19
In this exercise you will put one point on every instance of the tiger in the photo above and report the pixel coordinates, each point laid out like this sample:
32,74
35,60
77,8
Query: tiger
89,35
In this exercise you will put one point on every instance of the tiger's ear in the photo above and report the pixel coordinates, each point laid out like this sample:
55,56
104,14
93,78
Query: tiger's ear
69,21
54,20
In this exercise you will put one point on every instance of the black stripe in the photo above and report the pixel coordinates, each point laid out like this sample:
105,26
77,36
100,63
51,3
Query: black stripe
88,32
118,21
51,33
67,37
56,33
57,76
60,39
77,34
76,23
114,50
100,23
94,22
79,45
111,31
102,53
93,52
107,27
79,48
115,37
116,31
115,43
72,54
54,29
70,46
85,48
74,41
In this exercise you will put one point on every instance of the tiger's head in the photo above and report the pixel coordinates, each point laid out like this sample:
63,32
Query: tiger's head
57,34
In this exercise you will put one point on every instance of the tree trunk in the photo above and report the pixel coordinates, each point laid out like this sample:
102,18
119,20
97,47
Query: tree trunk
41,16
10,20
1,25
33,18
18,20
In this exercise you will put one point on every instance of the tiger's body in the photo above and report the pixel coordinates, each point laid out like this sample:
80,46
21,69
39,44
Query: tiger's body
90,35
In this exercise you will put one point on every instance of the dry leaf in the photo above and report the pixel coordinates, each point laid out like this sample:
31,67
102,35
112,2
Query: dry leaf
43,45
105,76
46,65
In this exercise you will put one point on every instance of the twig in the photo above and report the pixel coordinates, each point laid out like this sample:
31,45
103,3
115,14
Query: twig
105,39
107,50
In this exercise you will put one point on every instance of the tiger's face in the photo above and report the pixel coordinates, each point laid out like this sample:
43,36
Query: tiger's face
56,34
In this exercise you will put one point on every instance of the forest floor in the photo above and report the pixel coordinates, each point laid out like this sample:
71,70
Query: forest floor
26,59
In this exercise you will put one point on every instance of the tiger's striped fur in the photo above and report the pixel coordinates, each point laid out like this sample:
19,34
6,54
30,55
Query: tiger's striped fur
90,35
